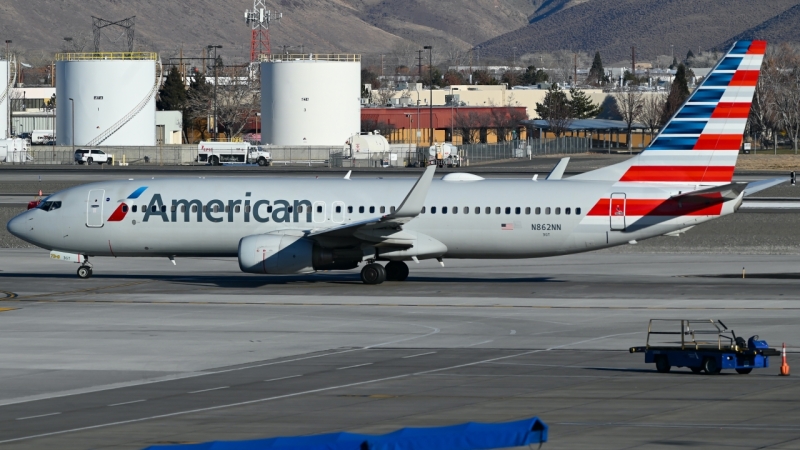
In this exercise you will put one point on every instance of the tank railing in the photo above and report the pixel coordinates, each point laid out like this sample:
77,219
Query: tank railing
12,75
133,56
136,110
278,57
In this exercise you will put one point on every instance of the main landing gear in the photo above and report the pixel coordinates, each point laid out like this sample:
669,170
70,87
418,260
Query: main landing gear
85,270
374,273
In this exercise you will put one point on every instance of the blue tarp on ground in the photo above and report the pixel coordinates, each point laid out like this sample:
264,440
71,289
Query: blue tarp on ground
466,436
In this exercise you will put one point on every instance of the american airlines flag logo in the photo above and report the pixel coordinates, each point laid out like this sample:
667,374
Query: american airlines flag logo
506,226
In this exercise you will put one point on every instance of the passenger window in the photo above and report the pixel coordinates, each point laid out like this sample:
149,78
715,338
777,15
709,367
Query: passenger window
338,209
517,210
383,209
371,209
194,208
577,211
173,208
508,210
319,208
153,208
423,210
205,207
538,210
567,210
124,208
227,208
558,210
444,209
300,209
455,209
144,208
547,210
269,209
497,210
488,210
528,210
466,210
183,208
246,209
215,208
392,209
477,210
236,208
433,210
350,209
133,208
361,209
163,208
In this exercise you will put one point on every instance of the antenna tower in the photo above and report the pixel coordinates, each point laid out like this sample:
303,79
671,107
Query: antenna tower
127,24
259,19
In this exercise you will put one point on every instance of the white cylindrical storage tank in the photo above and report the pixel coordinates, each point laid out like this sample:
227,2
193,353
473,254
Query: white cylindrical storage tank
310,99
113,95
4,82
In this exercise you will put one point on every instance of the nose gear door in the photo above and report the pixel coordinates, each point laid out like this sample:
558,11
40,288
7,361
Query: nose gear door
94,208
617,211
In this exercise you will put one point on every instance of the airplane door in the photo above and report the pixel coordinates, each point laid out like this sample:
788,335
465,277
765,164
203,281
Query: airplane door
337,212
94,208
617,211
319,212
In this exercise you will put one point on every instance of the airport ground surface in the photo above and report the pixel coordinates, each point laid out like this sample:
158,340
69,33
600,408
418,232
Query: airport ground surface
145,352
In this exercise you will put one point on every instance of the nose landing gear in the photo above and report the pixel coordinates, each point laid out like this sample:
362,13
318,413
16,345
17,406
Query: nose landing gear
85,270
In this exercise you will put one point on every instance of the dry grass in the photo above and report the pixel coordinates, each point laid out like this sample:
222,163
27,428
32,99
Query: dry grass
784,163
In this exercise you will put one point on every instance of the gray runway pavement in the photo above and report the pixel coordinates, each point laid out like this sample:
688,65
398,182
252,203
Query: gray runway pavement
145,352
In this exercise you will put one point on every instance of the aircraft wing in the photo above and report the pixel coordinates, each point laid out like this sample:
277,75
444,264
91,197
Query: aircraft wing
757,186
388,227
726,192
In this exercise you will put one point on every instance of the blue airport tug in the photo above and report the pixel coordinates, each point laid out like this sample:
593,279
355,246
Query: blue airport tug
724,350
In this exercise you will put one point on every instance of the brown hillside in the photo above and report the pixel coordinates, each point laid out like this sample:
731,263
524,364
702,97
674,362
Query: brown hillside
785,27
363,26
613,26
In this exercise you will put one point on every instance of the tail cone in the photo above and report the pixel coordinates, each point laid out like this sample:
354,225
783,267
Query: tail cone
784,365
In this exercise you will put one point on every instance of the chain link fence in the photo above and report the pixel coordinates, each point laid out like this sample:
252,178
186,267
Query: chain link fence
525,148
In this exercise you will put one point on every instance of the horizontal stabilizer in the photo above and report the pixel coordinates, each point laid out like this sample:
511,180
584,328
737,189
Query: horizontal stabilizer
757,186
558,170
727,191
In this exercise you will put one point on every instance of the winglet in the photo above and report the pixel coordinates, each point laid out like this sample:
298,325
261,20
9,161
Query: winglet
347,177
558,170
415,200
535,177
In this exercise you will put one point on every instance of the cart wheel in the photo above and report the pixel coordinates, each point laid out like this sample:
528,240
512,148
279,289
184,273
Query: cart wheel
662,364
696,369
744,371
710,366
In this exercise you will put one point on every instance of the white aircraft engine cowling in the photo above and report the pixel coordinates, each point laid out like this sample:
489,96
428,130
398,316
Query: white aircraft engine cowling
276,254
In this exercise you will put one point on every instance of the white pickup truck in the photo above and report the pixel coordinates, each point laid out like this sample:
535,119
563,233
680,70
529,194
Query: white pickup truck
216,153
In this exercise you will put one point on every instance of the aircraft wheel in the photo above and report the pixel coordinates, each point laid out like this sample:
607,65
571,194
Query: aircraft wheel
84,272
373,274
396,271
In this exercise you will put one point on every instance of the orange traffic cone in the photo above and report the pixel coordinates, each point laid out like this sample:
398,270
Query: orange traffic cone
784,366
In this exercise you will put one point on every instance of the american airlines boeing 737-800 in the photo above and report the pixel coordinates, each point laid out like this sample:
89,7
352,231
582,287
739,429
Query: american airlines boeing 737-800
287,226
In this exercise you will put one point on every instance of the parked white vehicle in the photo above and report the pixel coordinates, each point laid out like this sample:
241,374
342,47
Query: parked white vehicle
42,136
91,156
216,153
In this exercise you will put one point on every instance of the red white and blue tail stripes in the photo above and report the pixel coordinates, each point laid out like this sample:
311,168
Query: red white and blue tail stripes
701,142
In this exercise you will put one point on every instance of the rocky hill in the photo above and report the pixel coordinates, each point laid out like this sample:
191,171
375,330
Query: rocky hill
613,26
363,26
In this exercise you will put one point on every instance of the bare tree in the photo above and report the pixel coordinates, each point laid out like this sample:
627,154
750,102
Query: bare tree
763,120
506,120
468,124
382,96
629,104
786,65
652,111
238,99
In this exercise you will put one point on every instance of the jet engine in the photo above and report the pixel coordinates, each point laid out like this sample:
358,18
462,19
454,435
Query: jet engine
283,254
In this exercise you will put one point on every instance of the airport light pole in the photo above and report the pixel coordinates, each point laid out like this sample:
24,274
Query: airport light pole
215,47
429,48
8,94
72,116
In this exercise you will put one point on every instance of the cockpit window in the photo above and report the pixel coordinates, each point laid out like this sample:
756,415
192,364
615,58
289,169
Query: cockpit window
50,206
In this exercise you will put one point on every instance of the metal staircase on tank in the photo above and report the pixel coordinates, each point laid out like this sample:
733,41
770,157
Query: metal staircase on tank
12,75
128,117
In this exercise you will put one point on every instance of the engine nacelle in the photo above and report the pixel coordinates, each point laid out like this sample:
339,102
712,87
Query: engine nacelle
282,254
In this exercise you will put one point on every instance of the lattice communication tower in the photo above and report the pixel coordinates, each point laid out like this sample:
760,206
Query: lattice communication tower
259,19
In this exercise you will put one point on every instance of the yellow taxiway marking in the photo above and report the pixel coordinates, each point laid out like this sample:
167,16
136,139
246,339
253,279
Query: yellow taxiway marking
7,309
15,297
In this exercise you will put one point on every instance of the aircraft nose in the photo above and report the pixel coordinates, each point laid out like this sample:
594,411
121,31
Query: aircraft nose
16,226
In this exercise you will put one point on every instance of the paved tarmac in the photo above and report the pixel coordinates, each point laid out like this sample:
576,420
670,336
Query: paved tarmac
146,352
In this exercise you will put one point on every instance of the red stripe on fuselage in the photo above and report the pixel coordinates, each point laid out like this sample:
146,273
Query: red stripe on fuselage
718,142
689,206
118,213
676,174
730,110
